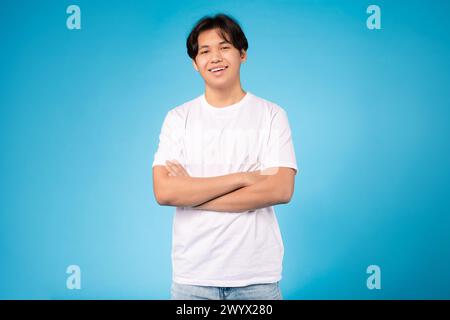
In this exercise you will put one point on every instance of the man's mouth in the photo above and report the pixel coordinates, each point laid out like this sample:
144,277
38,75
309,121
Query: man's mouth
217,69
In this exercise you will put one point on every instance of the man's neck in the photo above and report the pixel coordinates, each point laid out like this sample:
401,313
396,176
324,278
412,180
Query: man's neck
221,98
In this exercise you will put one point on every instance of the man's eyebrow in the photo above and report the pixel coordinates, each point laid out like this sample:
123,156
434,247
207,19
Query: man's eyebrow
206,46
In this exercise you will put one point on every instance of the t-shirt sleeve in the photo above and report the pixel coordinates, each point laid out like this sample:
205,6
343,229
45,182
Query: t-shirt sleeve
279,149
171,140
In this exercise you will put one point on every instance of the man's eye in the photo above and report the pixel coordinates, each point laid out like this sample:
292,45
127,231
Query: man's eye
225,47
203,52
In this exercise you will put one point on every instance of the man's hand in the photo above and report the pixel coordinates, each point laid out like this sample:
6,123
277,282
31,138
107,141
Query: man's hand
176,169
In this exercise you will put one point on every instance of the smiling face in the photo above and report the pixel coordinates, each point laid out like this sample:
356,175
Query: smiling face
218,61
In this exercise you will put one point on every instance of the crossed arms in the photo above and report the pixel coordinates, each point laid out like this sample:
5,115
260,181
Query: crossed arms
236,192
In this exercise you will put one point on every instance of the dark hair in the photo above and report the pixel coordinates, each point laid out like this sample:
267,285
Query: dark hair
229,30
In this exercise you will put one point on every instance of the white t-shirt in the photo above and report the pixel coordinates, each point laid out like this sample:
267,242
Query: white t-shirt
226,249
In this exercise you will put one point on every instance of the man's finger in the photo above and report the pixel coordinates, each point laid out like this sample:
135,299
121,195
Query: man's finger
171,172
184,171
169,168
171,165
181,169
176,165
176,168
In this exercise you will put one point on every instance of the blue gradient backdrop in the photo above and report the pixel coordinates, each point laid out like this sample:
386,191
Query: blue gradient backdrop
81,111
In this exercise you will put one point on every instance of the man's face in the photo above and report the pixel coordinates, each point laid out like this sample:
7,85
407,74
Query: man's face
217,60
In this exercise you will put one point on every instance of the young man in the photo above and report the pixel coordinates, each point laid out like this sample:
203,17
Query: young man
224,159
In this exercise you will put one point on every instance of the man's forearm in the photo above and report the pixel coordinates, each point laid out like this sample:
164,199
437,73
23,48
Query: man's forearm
181,191
259,195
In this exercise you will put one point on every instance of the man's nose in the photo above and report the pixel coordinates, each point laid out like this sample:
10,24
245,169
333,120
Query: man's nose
216,56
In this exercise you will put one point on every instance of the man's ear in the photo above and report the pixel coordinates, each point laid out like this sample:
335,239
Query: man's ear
243,56
194,64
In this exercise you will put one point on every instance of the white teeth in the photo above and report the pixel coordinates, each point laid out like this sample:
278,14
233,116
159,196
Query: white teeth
217,69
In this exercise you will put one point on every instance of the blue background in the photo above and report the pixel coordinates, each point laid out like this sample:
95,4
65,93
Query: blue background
81,111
